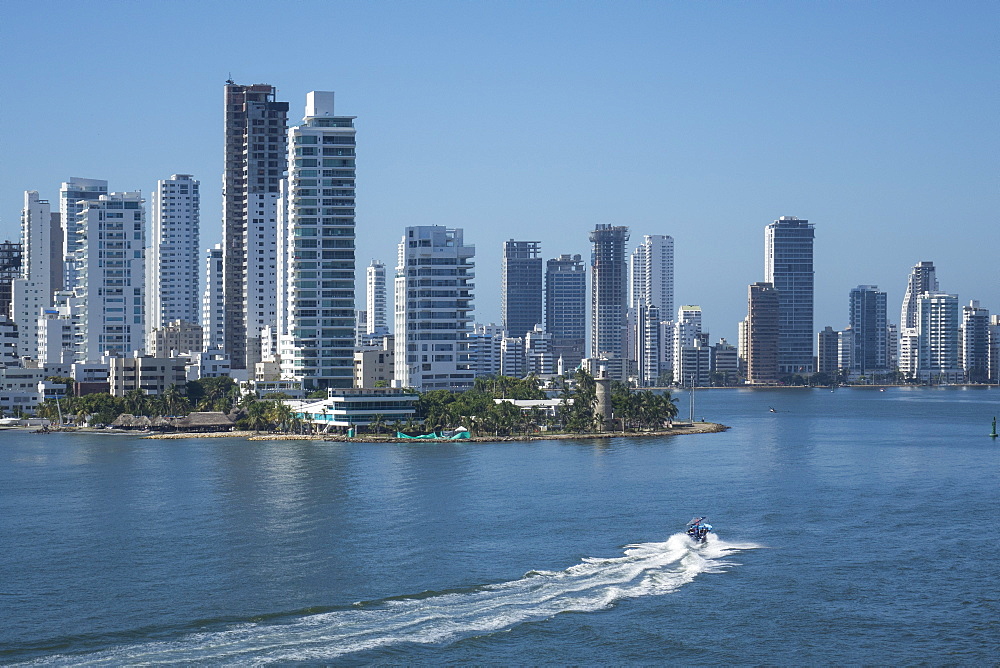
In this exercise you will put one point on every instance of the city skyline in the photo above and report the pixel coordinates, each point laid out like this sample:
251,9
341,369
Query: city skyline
890,140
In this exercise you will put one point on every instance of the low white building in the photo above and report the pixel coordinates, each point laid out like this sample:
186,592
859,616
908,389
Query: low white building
357,407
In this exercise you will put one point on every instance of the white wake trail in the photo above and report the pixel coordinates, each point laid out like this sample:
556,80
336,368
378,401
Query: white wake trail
647,569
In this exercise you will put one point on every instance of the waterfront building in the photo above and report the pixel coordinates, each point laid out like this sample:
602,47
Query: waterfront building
725,362
8,343
357,407
60,329
694,364
869,325
172,257
788,266
255,159
31,290
609,298
845,350
521,287
938,350
435,279
109,266
892,346
213,312
376,301
761,332
827,355
566,308
317,322
975,342
73,196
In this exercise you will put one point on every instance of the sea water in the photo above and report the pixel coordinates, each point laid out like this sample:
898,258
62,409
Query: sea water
854,526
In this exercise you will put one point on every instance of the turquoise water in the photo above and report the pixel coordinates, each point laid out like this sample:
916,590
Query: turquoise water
853,526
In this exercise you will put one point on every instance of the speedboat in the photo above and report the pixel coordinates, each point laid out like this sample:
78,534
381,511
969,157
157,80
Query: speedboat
698,529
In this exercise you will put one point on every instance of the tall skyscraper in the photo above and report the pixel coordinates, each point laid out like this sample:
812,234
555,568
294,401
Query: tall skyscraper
976,342
435,278
869,326
566,308
375,294
255,158
938,347
110,268
317,323
788,266
73,195
762,335
173,256
827,358
213,313
609,297
652,273
32,290
922,278
521,287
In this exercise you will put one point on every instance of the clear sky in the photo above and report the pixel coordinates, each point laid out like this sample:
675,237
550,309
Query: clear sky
877,121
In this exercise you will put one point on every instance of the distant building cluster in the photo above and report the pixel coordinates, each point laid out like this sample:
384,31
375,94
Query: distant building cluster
105,292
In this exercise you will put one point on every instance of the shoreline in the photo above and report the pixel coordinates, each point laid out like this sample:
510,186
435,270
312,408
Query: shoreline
680,429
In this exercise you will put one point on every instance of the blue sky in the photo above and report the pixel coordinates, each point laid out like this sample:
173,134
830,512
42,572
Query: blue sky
536,120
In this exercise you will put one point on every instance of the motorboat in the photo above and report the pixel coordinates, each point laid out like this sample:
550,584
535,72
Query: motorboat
698,529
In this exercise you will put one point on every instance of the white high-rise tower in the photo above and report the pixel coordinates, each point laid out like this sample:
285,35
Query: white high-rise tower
41,242
375,294
213,313
73,196
110,269
316,270
172,259
434,283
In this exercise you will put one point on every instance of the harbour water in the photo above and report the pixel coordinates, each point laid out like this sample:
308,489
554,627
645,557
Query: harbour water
854,526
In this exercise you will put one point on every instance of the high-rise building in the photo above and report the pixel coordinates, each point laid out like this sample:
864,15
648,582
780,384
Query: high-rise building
485,349
317,322
827,359
922,279
687,328
255,159
938,348
609,298
788,266
73,196
10,270
213,312
32,289
172,259
521,287
435,278
375,295
566,308
651,268
110,268
976,342
649,344
869,325
761,332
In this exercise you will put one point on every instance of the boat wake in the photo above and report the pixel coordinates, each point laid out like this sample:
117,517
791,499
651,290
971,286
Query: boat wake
647,569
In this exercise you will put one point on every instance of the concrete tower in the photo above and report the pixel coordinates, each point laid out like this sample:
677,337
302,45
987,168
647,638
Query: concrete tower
255,158
609,297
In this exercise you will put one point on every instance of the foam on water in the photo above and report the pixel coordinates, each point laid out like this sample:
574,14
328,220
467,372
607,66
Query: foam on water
647,569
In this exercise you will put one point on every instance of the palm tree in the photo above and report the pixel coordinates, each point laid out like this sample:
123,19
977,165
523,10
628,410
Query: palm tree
173,401
378,423
256,418
135,401
280,414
